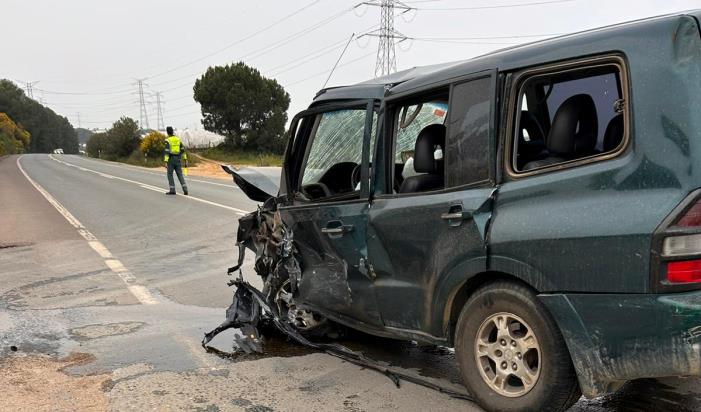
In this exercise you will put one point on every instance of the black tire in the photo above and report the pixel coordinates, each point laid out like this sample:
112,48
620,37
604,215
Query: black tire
556,387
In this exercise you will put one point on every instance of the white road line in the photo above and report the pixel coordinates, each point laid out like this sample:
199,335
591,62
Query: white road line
140,292
124,166
238,211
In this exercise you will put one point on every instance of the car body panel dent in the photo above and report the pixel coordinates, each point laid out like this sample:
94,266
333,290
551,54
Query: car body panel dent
409,274
332,275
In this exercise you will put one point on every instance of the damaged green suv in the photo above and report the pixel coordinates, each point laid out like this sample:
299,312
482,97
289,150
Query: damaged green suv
537,208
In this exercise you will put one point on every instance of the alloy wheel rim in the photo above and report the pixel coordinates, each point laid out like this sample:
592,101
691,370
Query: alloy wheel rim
508,354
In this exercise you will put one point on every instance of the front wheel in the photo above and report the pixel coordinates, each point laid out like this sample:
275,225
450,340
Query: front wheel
511,354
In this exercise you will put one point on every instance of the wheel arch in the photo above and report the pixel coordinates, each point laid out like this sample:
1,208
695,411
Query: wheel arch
460,295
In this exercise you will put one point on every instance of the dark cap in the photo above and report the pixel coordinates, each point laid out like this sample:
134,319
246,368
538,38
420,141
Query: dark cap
169,130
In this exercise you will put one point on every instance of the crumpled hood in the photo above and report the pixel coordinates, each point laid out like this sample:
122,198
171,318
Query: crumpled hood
254,184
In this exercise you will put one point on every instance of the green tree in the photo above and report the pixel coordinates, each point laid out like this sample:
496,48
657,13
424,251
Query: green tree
96,145
122,138
153,145
49,131
247,108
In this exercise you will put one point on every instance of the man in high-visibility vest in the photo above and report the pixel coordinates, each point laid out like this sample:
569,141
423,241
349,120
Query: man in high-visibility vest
174,157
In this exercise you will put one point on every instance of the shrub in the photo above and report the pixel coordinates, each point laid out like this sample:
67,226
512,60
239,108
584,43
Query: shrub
153,145
96,145
122,139
13,138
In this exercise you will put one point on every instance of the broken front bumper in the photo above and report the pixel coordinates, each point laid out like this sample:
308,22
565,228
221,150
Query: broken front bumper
613,338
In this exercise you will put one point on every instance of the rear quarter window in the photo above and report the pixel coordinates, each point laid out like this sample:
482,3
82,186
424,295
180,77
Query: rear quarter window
568,115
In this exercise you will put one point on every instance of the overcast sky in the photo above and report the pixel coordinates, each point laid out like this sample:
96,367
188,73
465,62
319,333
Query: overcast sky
86,55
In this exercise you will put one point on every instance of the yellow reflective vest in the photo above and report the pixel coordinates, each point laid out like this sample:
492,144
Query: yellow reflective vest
174,147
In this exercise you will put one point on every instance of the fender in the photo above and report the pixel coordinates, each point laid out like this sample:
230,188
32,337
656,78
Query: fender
522,271
459,275
446,290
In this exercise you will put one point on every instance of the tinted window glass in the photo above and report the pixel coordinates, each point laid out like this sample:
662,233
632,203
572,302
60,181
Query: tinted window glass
603,89
467,151
569,115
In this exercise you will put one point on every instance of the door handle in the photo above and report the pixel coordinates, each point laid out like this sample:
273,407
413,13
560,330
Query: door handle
336,228
456,215
451,216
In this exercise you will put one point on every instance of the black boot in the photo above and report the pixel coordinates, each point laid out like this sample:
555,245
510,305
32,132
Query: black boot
185,191
172,192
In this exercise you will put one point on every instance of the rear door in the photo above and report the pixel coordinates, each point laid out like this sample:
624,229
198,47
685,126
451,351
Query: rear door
424,245
326,178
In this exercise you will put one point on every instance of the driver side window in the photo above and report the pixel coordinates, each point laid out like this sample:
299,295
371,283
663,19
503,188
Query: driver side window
333,155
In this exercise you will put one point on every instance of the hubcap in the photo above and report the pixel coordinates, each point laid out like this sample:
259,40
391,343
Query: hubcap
508,354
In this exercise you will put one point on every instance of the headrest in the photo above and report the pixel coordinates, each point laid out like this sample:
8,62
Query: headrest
575,127
430,138
614,133
536,137
532,126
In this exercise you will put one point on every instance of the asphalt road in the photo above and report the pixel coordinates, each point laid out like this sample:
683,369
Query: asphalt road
107,286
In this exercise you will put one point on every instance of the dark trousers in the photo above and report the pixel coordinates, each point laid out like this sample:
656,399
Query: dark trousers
174,164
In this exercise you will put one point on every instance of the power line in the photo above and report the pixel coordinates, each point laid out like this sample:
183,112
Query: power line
503,43
386,61
500,6
268,48
82,93
315,75
241,40
523,36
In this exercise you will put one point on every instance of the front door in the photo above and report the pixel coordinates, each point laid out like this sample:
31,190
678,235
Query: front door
327,180
428,231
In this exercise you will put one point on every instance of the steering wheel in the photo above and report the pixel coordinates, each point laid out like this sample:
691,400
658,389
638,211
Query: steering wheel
355,177
316,190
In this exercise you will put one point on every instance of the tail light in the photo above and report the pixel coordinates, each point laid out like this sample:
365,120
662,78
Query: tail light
684,271
676,256
681,245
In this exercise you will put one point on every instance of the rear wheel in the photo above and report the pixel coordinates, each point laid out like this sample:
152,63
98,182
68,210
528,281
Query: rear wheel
511,354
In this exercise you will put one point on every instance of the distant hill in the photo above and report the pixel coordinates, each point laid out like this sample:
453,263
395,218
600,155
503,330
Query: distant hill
83,135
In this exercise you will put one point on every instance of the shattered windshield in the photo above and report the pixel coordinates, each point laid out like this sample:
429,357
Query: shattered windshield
337,138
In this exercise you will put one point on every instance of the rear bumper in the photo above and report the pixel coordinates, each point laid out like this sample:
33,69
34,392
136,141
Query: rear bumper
613,338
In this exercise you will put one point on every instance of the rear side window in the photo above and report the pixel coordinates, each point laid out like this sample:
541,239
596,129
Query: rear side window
467,152
567,116
412,119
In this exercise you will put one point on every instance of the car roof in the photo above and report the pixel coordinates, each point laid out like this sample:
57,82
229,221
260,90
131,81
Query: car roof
609,38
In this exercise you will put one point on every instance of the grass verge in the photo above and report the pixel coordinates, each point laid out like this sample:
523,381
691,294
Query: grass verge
241,158
138,159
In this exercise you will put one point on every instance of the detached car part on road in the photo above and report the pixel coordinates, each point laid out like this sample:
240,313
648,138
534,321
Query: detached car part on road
537,208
